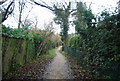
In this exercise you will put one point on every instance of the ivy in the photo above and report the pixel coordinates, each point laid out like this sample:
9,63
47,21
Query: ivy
99,45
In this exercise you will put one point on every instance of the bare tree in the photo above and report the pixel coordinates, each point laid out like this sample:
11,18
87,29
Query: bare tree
23,23
21,7
36,22
5,12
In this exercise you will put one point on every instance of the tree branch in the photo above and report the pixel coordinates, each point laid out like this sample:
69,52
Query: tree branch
7,12
1,2
48,7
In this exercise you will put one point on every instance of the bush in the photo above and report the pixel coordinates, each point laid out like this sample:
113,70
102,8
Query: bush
41,39
99,48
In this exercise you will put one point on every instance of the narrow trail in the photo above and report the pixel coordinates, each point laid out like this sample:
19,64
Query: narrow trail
56,68
59,68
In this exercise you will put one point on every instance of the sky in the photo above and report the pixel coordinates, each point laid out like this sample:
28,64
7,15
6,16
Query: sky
45,16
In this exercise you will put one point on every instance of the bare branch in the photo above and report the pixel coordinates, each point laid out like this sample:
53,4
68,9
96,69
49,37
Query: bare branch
28,15
36,22
7,12
1,2
42,5
90,6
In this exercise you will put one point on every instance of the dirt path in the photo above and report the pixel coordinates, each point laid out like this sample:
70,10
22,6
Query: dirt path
59,68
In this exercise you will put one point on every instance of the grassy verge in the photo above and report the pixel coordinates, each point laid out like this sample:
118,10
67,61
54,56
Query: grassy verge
51,54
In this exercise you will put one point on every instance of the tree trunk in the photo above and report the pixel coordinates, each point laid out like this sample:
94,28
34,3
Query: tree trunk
19,22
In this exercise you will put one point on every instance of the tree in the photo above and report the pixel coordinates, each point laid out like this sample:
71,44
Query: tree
119,6
36,22
80,23
21,7
83,18
62,18
5,12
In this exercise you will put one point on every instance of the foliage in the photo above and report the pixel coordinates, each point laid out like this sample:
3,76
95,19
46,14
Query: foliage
21,46
62,18
42,39
51,54
18,33
99,46
72,42
83,17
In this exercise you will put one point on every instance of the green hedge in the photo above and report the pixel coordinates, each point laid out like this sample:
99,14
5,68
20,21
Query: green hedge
99,49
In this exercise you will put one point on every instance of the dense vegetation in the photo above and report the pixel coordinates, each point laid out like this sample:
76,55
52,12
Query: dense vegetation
21,46
42,38
95,44
98,45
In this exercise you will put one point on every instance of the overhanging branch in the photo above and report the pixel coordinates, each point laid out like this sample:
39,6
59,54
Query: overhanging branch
42,5
7,12
1,2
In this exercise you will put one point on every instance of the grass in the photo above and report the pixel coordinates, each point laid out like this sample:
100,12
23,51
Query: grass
51,54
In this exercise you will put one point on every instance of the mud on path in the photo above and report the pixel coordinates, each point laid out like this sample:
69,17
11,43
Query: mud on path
59,68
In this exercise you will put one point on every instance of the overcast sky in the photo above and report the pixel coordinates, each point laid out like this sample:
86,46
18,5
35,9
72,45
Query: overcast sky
45,16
